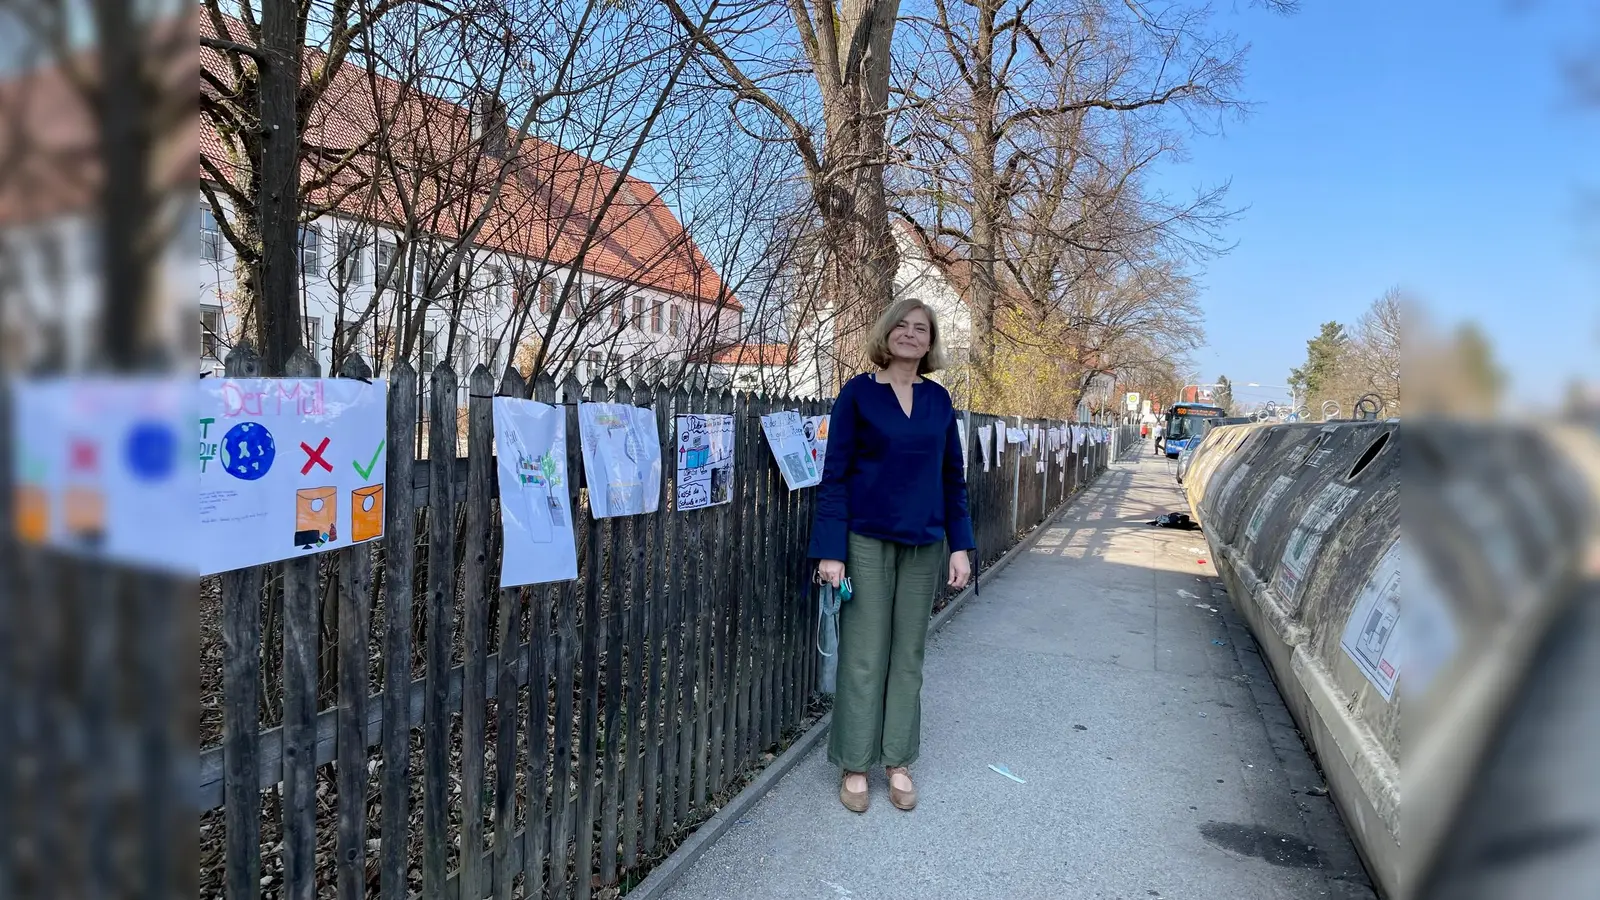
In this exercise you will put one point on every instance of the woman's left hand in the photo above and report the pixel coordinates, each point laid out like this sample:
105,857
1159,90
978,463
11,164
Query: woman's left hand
960,569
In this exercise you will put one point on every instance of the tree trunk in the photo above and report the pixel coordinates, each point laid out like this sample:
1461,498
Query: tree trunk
861,256
277,318
985,208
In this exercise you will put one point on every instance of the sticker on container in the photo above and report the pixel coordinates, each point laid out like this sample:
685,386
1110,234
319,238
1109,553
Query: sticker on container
1264,506
1371,633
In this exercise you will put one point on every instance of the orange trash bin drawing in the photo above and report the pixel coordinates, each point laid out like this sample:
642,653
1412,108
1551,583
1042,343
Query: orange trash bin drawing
366,513
32,514
315,512
85,514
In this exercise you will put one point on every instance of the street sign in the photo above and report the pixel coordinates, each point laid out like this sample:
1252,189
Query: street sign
1133,401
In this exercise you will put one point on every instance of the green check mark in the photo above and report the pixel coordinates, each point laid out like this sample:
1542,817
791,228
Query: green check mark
366,471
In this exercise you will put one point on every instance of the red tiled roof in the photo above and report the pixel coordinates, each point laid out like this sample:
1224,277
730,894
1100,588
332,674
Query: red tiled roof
50,140
550,198
754,355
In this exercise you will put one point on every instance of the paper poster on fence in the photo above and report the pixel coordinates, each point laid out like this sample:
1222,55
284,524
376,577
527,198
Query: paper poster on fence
998,432
1370,634
1015,435
961,428
985,439
705,461
530,444
786,436
621,459
288,467
98,469
816,430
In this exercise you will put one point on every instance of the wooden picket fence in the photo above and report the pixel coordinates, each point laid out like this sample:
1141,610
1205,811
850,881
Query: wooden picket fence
556,738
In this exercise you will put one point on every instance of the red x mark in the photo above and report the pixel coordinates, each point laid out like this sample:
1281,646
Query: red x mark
314,457
83,456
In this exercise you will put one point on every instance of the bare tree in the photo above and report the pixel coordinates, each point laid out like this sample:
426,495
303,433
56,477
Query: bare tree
1032,126
844,52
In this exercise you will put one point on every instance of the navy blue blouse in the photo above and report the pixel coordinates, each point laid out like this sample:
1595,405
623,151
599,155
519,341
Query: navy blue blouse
891,476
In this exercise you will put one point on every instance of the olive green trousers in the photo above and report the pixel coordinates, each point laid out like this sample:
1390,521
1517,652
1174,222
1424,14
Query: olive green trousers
883,631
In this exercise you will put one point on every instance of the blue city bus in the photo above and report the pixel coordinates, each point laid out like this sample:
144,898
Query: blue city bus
1185,423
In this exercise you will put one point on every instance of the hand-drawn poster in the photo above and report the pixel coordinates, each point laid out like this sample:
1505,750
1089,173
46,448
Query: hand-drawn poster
817,439
786,436
1370,633
98,469
705,461
530,442
621,459
288,466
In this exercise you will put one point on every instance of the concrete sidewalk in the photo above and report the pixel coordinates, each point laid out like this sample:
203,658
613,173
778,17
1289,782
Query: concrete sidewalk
1107,669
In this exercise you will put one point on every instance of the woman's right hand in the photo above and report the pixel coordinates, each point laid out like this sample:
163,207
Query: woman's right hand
831,571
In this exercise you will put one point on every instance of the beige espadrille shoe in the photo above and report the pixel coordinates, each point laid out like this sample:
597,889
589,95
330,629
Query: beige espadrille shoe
855,801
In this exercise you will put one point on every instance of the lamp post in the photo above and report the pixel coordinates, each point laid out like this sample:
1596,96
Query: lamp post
1294,396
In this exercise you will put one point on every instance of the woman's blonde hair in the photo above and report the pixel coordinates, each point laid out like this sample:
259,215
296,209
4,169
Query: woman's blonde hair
878,338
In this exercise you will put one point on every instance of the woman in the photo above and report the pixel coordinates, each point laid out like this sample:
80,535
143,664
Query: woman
892,511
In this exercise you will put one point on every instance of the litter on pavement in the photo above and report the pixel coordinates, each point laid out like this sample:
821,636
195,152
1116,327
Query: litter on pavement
1007,773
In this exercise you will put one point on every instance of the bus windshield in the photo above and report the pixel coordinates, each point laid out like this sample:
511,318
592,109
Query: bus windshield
1184,427
1187,421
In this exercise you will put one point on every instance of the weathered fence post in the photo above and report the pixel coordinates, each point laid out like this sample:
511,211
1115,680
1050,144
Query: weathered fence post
399,553
241,689
300,633
440,628
355,586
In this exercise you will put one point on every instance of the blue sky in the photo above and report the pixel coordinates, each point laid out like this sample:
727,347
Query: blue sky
1429,145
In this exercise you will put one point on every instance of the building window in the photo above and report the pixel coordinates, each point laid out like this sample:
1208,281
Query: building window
673,320
495,277
655,318
210,235
616,312
463,357
211,332
310,249
386,267
491,355
352,255
429,354
547,294
638,312
314,334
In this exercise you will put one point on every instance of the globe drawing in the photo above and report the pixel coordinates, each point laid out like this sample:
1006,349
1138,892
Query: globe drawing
152,450
248,451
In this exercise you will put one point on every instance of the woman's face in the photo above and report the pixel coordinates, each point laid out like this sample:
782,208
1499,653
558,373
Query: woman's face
911,336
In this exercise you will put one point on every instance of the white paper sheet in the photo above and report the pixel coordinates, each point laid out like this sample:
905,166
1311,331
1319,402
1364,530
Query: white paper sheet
705,461
786,436
288,467
621,459
985,444
98,468
535,506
